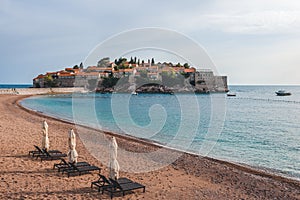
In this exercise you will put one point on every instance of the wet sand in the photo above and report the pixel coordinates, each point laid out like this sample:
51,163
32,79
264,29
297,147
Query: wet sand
189,177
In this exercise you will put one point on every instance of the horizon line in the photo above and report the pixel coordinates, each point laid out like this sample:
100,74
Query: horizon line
235,84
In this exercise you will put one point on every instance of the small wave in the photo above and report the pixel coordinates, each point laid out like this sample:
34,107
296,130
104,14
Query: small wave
266,100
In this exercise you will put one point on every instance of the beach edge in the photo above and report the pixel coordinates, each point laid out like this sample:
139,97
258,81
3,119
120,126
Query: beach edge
267,173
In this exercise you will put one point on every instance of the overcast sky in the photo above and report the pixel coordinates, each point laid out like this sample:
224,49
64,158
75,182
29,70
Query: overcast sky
252,42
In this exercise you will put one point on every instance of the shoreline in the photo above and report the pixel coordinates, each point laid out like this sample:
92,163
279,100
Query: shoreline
241,166
189,177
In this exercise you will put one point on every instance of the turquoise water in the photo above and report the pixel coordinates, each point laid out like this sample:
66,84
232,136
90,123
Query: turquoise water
15,85
256,127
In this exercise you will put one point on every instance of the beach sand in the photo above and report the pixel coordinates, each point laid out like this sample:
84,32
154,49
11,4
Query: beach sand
190,177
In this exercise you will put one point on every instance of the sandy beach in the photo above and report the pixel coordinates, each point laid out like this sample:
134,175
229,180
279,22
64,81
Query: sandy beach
190,177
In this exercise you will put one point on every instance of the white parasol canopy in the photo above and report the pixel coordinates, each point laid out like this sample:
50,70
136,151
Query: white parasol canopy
45,126
72,154
113,163
45,139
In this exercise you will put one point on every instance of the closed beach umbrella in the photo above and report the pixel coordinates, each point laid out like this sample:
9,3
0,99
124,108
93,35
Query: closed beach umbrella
113,163
45,126
72,154
45,139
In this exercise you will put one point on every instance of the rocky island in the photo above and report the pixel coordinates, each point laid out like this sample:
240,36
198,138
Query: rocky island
135,76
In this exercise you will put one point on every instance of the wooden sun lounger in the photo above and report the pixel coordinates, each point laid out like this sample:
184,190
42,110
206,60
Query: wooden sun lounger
81,169
39,152
64,165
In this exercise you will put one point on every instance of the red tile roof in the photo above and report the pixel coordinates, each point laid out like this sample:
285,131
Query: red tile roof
41,76
88,73
49,73
190,70
65,74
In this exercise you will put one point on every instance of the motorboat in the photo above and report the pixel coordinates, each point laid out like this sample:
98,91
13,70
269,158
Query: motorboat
134,93
231,94
282,93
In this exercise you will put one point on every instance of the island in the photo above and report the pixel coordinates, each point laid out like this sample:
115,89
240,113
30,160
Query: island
135,76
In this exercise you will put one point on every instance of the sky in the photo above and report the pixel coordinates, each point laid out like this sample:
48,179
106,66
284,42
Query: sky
252,42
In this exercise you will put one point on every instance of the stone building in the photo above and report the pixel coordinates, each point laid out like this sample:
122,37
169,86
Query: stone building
206,81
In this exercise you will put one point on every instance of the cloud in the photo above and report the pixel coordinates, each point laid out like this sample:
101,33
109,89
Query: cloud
261,22
63,32
261,63
237,17
22,19
256,22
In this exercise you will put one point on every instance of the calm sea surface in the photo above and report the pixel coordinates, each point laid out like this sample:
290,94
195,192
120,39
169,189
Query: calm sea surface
256,127
15,86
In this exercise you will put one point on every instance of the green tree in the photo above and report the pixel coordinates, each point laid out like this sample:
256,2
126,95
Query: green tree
49,81
178,65
152,61
104,62
185,75
121,60
37,85
131,60
75,67
109,82
186,65
81,66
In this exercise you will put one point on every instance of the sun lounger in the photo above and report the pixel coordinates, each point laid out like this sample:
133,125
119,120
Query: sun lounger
103,182
116,186
64,165
123,187
54,156
39,151
81,169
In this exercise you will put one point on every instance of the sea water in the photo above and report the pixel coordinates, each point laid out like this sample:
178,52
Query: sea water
256,127
15,86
